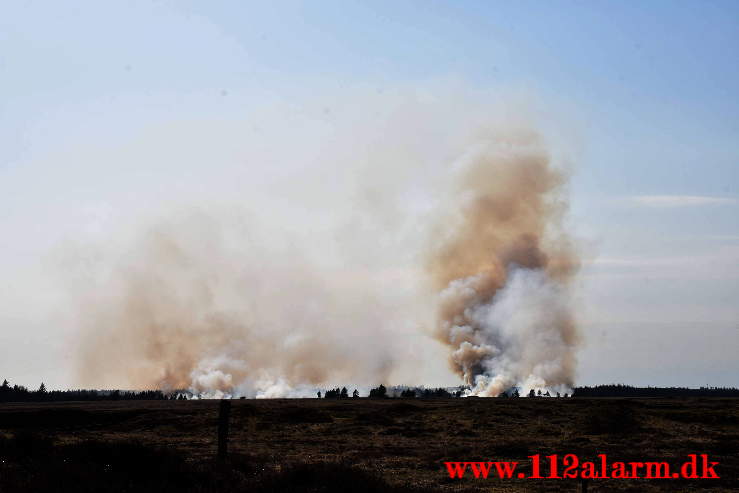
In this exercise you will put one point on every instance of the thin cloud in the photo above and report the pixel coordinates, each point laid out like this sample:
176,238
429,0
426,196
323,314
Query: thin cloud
678,200
704,264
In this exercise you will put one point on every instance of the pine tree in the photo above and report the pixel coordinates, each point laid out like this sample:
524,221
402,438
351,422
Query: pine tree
379,392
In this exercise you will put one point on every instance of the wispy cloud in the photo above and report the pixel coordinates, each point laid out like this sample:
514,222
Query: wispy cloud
712,264
678,200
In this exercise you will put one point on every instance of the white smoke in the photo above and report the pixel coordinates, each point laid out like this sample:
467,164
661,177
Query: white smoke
303,263
519,341
503,266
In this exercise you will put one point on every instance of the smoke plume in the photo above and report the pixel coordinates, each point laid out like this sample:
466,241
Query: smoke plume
196,305
299,256
501,263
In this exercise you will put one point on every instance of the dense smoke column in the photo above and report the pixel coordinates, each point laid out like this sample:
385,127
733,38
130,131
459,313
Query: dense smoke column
268,299
501,263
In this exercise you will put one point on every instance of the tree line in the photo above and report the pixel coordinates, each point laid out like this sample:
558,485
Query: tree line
437,393
621,390
19,393
382,392
337,393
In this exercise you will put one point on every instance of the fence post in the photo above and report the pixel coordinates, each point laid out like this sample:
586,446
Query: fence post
224,410
583,486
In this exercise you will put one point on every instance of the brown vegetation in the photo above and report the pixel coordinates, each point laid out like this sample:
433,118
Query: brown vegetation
377,445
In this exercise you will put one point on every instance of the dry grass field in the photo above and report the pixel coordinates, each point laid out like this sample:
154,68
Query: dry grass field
353,444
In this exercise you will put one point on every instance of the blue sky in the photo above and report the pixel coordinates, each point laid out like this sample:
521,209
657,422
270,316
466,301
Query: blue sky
645,95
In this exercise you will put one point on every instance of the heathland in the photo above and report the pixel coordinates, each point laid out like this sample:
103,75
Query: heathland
302,445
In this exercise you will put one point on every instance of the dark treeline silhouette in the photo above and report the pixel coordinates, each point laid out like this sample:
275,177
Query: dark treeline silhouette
437,393
19,393
382,392
620,390
378,392
338,393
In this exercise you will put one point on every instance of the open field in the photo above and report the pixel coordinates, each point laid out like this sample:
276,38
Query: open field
353,444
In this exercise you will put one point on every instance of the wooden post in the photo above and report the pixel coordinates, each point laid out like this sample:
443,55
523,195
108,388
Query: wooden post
583,486
224,410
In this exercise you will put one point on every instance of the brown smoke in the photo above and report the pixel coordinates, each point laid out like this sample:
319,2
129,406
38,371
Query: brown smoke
507,210
321,282
189,307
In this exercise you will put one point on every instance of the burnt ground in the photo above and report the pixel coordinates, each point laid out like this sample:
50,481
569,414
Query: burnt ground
355,444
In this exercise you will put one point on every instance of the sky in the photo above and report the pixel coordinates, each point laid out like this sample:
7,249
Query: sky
113,112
